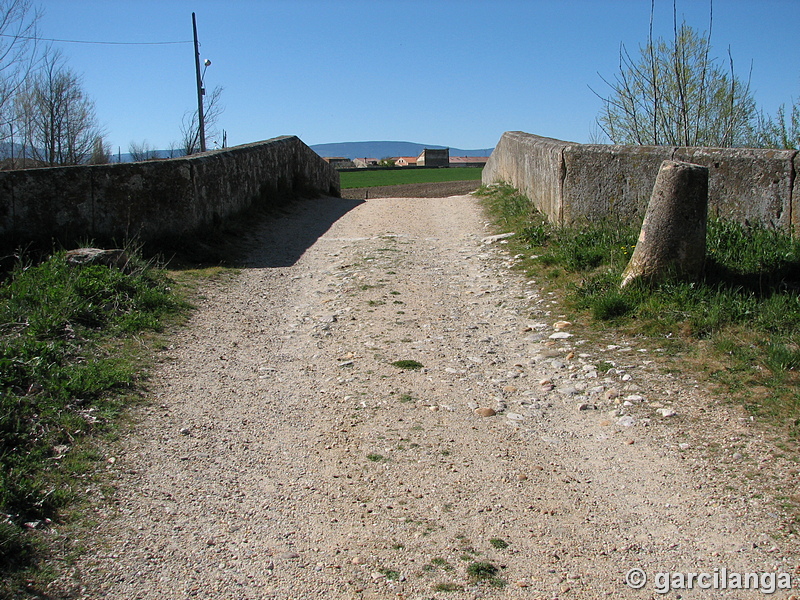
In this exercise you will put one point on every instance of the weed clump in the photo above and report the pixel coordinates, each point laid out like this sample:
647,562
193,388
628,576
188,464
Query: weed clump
408,365
64,374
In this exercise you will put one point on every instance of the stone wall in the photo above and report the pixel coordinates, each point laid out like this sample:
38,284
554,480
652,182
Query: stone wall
158,200
574,183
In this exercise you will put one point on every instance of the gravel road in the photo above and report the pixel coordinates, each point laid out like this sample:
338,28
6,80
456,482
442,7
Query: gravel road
283,455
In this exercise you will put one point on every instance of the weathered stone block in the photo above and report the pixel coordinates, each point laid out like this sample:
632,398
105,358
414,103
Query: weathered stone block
672,241
747,185
609,182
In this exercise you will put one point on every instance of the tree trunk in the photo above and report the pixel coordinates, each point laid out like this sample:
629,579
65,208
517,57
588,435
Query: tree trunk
672,242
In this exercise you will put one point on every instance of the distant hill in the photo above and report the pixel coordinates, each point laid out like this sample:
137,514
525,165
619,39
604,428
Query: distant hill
6,152
386,149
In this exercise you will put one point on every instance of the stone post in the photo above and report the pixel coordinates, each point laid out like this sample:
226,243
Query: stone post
672,242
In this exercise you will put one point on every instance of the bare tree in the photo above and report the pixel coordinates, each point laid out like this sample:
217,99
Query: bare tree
101,152
173,150
56,119
18,55
190,127
675,93
140,151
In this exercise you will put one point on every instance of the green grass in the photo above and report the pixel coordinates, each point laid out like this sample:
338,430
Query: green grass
485,571
390,574
739,323
380,177
408,365
70,359
448,587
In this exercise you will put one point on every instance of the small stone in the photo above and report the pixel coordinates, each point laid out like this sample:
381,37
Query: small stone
358,560
737,456
560,335
522,477
586,406
570,355
666,412
185,431
634,398
485,411
509,388
494,238
626,421
289,555
514,416
611,394
559,325
684,446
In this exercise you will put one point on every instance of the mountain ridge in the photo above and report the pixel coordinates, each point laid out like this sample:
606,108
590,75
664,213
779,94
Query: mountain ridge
383,149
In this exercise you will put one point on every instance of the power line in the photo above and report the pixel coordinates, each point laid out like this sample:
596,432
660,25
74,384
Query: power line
41,39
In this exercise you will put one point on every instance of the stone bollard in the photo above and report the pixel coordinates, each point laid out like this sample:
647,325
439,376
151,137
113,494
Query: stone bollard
672,242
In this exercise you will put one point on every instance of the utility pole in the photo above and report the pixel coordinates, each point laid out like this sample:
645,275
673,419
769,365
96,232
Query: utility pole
200,90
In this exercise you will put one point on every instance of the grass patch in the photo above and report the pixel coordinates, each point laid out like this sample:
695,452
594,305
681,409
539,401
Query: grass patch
448,587
380,177
408,365
376,457
740,322
485,572
498,543
71,355
390,574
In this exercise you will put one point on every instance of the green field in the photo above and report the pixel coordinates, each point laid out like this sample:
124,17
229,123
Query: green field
379,177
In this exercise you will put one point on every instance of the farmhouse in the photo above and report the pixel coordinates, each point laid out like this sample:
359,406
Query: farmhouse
434,157
363,163
339,162
406,161
468,161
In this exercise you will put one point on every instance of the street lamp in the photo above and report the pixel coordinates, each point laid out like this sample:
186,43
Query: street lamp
200,90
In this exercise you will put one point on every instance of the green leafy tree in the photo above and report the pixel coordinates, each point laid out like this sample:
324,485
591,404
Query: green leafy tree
676,93
781,132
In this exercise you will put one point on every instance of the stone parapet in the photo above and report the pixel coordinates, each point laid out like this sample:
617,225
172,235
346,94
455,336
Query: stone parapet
157,200
573,183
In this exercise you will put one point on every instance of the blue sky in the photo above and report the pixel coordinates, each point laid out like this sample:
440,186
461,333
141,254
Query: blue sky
450,72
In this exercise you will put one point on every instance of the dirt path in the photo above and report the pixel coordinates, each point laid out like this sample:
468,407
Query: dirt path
285,457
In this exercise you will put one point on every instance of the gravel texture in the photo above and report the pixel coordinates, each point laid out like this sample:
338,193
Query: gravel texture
283,455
